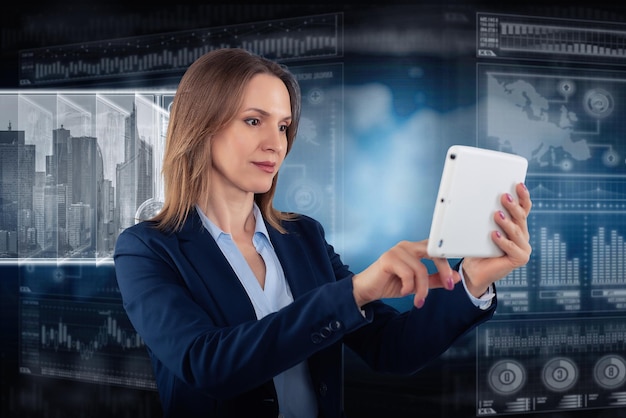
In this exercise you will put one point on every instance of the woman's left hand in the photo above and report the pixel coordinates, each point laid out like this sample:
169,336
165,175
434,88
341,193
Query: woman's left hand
480,273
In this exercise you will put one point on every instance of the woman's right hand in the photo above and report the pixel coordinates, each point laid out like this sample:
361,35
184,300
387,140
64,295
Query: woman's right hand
400,272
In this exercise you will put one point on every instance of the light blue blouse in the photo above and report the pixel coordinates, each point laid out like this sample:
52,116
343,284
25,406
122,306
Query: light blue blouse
294,388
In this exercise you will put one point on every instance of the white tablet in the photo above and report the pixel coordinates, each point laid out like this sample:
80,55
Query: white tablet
472,183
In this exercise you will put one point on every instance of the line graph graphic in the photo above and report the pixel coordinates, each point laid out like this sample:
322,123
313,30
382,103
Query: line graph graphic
83,341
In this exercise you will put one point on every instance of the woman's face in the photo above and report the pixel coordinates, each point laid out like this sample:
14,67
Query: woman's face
248,152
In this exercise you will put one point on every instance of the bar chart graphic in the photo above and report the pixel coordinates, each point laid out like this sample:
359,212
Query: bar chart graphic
309,37
85,341
528,37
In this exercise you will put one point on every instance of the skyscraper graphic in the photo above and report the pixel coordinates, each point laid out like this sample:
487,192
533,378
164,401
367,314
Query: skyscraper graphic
17,178
86,174
135,182
56,194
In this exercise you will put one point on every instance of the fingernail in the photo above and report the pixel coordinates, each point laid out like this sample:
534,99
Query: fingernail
420,303
501,214
450,283
525,188
498,234
509,197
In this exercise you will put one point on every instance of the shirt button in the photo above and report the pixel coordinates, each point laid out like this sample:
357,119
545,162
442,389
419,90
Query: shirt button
322,389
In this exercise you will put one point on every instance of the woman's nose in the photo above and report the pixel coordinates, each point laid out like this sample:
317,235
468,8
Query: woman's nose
275,140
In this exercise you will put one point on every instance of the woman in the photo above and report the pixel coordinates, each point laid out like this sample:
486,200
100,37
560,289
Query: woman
245,309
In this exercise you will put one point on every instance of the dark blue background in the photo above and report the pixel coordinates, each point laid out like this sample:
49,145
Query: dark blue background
409,86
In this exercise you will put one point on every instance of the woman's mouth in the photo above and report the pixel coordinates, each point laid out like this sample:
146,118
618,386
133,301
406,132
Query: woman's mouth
266,166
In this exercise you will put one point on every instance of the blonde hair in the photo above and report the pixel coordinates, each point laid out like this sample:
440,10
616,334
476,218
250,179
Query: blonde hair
208,97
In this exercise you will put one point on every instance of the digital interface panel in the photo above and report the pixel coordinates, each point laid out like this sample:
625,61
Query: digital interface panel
577,177
72,326
549,39
557,341
551,365
310,37
77,168
311,178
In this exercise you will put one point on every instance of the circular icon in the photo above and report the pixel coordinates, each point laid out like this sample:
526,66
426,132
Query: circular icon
567,88
560,374
58,275
598,103
304,197
610,158
506,377
148,209
610,371
316,96
567,164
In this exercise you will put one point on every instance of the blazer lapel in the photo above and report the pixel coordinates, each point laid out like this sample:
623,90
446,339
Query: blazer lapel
216,275
294,260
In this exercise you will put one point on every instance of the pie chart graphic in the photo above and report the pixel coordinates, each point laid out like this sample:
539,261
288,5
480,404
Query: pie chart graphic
560,374
610,371
506,377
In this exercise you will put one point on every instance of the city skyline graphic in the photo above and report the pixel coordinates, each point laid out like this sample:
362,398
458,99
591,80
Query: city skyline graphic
76,168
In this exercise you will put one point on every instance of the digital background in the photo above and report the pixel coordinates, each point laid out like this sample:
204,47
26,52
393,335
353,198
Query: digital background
84,100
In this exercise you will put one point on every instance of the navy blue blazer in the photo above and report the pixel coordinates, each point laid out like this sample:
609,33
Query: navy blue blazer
213,358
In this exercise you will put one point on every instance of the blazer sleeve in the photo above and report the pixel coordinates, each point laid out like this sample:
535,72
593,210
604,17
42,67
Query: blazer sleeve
392,341
404,342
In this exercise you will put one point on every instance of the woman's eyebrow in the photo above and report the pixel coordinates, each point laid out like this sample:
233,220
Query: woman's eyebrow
265,113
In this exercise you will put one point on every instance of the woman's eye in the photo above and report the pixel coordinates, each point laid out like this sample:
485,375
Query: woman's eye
252,121
283,128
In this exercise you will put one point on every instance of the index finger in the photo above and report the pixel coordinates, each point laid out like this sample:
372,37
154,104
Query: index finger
445,273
